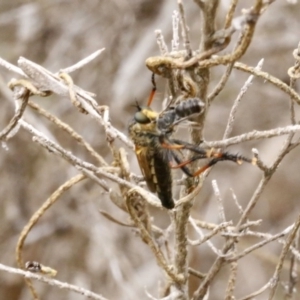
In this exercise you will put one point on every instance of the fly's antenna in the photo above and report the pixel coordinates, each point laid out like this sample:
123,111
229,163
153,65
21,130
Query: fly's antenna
153,90
137,106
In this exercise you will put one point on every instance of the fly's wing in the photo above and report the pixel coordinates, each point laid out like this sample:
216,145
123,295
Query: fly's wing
144,158
157,173
163,178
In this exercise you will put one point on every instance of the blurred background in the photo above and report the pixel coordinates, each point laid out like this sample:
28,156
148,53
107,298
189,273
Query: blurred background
73,237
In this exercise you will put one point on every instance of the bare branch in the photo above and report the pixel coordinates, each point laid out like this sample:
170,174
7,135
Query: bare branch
21,95
175,31
161,43
254,135
69,130
230,13
220,201
82,62
283,254
215,231
34,219
231,281
237,102
56,283
12,67
258,245
178,278
258,292
184,30
274,80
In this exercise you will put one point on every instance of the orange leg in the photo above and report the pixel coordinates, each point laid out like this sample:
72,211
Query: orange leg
150,99
172,146
180,165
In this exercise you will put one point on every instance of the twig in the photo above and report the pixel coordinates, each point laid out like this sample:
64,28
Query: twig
273,80
205,239
39,213
215,231
80,165
181,244
258,292
220,201
268,173
21,94
191,196
231,281
82,62
161,43
175,31
34,219
293,276
230,13
99,181
211,226
184,31
262,184
181,217
283,254
236,201
56,283
178,278
221,84
254,135
200,3
237,102
47,81
258,245
196,273
294,71
71,88
154,63
293,272
69,130
12,67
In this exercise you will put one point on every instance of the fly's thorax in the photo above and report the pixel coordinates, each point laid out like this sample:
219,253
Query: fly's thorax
143,134
165,120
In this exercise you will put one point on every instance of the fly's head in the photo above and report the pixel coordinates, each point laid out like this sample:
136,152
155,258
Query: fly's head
143,126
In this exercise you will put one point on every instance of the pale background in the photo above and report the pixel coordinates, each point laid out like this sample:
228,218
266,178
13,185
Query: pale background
73,237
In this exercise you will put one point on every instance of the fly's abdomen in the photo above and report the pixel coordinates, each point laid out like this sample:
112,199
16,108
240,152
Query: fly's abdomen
162,178
189,107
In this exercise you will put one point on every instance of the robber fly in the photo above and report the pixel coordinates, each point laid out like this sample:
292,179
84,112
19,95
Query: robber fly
157,151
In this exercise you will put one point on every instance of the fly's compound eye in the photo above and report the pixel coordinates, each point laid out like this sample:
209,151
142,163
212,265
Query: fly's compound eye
141,118
145,115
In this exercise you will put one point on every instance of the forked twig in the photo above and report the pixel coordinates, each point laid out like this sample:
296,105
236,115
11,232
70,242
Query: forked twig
283,254
178,278
22,95
34,219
